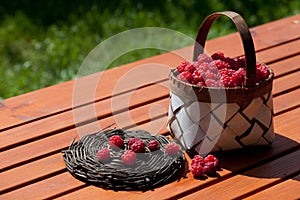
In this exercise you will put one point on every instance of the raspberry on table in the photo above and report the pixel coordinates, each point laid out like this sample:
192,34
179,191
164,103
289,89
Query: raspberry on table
138,146
103,154
116,141
211,158
129,157
198,160
209,168
153,145
197,169
172,149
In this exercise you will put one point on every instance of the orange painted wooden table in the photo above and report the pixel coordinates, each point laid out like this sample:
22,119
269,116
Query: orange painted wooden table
35,127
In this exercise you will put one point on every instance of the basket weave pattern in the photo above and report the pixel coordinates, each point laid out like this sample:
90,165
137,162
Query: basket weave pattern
151,170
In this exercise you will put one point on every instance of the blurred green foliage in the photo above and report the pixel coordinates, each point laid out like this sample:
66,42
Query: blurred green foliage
44,42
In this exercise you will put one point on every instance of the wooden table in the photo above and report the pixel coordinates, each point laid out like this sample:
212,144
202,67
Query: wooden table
35,127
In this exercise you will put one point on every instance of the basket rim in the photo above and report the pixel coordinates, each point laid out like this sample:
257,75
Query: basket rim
239,94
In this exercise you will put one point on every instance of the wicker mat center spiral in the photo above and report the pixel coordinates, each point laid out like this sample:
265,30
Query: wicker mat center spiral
151,170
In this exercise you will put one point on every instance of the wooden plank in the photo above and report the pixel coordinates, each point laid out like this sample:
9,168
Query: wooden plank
44,188
285,66
251,180
282,143
47,126
285,83
287,101
62,140
34,105
289,189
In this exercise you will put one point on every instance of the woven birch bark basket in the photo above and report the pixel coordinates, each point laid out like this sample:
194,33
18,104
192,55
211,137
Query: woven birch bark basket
206,119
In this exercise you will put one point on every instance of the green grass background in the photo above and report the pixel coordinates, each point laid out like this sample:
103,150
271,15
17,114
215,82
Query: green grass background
44,42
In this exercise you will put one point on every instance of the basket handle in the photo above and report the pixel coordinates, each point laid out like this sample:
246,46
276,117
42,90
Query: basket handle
246,39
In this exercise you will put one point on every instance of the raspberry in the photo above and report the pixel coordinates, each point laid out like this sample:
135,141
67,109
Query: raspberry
240,62
129,157
198,160
210,75
209,168
182,66
153,145
138,146
238,77
103,154
262,73
197,77
185,76
203,67
172,149
218,56
116,141
211,83
219,64
131,141
230,62
204,58
211,158
201,84
190,68
197,170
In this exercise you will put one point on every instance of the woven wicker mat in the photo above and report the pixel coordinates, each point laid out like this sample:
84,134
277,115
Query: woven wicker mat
152,169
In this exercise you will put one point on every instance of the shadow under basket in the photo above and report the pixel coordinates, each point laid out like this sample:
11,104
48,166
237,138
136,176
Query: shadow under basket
207,119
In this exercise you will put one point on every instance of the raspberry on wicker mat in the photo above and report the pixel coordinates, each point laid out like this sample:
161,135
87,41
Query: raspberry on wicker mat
129,157
172,149
103,154
153,145
116,141
138,146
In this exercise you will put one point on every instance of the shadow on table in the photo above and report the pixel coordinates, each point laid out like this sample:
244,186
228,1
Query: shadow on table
276,161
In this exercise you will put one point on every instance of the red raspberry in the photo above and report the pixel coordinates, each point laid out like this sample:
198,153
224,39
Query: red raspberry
103,154
262,72
190,68
203,67
238,77
219,64
230,62
201,84
226,72
185,76
197,76
131,141
210,75
211,158
209,168
198,160
172,149
182,66
129,157
204,58
211,83
227,81
153,145
218,56
116,141
240,62
138,146
197,169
